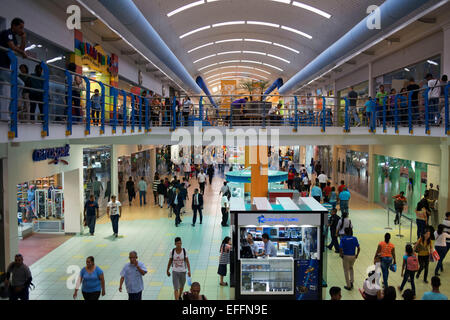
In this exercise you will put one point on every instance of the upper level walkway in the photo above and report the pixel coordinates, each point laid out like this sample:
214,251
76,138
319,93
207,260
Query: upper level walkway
70,109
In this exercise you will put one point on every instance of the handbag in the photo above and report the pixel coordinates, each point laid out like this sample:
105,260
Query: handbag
393,267
434,256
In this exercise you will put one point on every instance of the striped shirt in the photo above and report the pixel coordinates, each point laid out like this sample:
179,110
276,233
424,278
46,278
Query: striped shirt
155,185
225,254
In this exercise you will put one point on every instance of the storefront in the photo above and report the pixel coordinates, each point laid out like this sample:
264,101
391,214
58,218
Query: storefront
97,164
393,175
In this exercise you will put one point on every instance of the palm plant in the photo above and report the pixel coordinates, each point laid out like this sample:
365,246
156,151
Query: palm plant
262,85
248,86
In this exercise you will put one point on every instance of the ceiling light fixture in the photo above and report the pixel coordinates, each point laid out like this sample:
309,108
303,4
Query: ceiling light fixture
312,9
267,24
202,46
251,61
257,40
432,62
227,23
286,47
212,70
279,58
297,31
228,40
283,1
262,70
190,5
54,59
406,69
228,52
269,65
255,52
229,61
194,31
214,64
210,56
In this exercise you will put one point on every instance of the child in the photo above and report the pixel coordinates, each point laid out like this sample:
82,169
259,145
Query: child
411,264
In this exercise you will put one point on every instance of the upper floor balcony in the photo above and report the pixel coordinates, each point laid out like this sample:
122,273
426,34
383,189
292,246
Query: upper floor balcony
72,106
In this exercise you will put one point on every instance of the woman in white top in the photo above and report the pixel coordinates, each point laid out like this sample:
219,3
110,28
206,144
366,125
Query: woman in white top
440,245
343,223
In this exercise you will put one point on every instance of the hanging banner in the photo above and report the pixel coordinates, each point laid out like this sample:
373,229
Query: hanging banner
404,172
228,88
423,177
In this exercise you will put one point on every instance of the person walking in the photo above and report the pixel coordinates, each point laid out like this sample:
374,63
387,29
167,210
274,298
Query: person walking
91,213
187,108
132,273
187,170
92,281
178,260
344,198
130,189
399,204
434,294
322,180
332,224
170,198
114,211
385,254
343,223
352,100
156,182
409,268
298,182
440,244
306,182
333,197
108,190
424,249
347,249
142,186
210,173
176,205
341,187
224,208
434,94
96,107
316,192
422,213
197,205
201,181
225,190
224,259
97,187
327,192
161,193
446,223
21,278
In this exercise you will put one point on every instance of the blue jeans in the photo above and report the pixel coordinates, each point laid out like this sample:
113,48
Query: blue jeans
142,194
355,115
410,275
385,264
433,110
344,206
442,251
115,223
135,296
90,221
421,224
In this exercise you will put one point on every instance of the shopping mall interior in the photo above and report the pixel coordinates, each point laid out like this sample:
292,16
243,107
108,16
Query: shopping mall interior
276,111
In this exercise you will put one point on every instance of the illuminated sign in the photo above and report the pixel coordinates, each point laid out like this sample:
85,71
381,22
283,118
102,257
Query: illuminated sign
52,153
262,219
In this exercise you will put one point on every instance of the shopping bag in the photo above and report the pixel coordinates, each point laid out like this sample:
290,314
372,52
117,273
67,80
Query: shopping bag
435,256
189,281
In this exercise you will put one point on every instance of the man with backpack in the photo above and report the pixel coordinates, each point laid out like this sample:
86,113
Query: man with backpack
399,204
21,279
178,260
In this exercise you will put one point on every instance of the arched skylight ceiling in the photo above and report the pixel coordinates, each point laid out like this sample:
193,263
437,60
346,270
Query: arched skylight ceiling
245,40
234,72
240,61
262,23
289,2
242,52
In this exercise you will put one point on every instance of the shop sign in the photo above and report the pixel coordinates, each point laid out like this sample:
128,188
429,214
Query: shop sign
262,219
96,58
52,153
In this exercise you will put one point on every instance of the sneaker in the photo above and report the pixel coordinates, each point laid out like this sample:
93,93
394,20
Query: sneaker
426,281
116,235
193,225
358,125
347,288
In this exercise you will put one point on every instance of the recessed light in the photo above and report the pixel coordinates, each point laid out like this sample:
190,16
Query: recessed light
297,31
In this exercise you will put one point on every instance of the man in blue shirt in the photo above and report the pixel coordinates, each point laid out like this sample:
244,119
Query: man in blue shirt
91,213
132,274
316,192
96,107
269,247
435,293
371,108
347,249
344,198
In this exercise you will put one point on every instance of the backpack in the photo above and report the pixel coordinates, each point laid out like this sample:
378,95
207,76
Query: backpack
398,205
412,263
184,255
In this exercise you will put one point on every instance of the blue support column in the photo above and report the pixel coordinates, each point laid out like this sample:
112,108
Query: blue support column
69,103
410,126
324,113
174,113
200,109
397,96
46,75
102,108
124,111
13,129
147,120
427,112
296,114
346,116
264,115
384,114
87,131
114,122
446,116
133,102
140,114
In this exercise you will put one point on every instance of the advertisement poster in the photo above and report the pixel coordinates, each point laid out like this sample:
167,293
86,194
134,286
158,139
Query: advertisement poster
307,275
404,172
423,177
228,88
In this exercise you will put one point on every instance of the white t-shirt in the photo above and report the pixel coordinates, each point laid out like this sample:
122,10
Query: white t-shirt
322,178
224,189
187,167
435,90
305,180
441,239
114,207
224,202
201,177
371,288
178,264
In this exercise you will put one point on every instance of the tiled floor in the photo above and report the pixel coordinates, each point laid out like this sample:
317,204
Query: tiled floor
38,245
151,233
